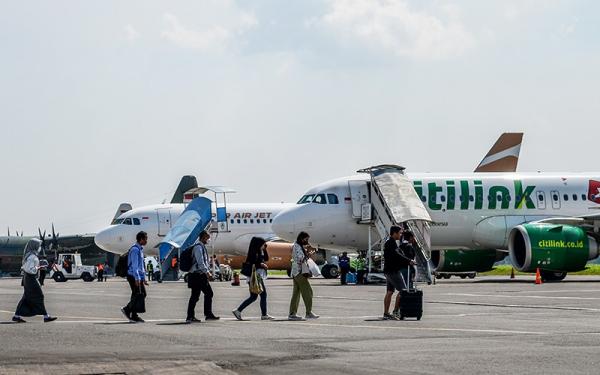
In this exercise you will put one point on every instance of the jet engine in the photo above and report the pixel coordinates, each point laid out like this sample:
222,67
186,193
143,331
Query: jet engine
550,247
465,260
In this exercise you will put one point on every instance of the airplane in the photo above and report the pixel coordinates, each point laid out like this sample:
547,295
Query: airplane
246,220
11,249
545,221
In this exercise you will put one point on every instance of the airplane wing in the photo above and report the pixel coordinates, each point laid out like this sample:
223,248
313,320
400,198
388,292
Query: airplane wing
75,242
504,154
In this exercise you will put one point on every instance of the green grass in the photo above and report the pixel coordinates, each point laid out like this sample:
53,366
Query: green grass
590,270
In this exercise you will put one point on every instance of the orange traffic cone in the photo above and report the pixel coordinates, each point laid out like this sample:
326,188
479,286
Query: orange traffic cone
512,273
538,277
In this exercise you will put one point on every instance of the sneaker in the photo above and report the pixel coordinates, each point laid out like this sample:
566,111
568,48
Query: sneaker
18,319
50,319
311,315
212,317
295,317
267,317
125,313
388,316
237,314
192,320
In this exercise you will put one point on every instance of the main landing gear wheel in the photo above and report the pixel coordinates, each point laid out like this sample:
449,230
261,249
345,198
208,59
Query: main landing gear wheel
330,271
550,276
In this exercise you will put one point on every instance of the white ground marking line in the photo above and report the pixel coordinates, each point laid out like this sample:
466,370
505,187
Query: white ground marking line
521,296
387,327
72,317
540,307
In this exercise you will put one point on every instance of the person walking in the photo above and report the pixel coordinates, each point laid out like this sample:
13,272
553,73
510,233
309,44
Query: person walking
136,277
150,269
344,264
32,302
394,264
257,256
198,281
300,275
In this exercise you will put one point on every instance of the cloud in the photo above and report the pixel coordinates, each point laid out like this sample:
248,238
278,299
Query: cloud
213,36
392,25
131,33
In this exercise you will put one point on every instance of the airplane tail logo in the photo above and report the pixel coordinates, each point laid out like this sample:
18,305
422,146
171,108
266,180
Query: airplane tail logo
594,191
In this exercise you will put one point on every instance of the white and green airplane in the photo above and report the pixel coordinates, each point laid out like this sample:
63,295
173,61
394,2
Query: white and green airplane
542,220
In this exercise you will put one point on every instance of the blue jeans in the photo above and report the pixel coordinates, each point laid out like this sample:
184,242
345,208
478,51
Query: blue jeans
253,297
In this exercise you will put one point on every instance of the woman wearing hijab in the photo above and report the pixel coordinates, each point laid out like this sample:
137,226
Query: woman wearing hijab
32,302
257,256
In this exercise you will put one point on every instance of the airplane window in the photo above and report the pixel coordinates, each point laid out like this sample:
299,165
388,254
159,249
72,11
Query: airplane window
306,199
270,220
245,221
251,221
231,221
541,197
566,197
127,221
264,221
136,221
555,197
424,198
443,198
574,197
333,199
499,197
583,197
119,221
319,199
239,221
471,198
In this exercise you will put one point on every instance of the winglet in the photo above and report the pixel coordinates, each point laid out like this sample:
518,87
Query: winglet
504,154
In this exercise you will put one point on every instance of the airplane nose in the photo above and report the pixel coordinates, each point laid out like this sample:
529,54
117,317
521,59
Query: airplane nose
103,240
283,225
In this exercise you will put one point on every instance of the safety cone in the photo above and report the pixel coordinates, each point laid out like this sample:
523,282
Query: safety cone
236,279
538,277
512,273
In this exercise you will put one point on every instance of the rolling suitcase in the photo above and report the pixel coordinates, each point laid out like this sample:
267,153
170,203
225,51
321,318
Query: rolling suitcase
411,301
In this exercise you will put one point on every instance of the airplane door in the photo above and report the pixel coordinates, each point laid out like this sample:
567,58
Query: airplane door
359,192
541,200
164,221
555,199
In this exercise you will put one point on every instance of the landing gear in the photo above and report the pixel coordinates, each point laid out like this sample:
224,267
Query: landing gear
330,271
550,276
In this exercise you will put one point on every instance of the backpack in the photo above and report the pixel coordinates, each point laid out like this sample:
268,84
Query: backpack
122,267
186,259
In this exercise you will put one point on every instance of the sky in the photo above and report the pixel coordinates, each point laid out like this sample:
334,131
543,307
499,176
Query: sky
103,102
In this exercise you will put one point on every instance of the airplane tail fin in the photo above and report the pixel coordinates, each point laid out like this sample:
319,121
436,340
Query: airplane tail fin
123,207
186,183
504,154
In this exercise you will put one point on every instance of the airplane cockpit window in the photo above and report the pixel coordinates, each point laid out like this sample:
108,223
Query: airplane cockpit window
320,199
119,221
136,221
306,199
127,221
333,199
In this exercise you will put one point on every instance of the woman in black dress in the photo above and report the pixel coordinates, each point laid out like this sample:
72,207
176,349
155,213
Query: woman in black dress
32,302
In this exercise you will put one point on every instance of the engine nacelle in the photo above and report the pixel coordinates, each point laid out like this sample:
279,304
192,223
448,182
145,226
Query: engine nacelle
465,260
551,247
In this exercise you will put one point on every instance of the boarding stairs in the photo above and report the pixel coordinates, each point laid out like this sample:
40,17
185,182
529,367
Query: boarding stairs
394,201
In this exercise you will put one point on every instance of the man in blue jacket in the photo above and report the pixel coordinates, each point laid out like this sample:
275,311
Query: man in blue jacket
136,276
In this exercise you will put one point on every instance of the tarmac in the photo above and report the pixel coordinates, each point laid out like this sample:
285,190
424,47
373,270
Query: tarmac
482,326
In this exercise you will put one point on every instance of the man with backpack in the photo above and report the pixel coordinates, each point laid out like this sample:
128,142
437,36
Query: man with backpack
198,279
136,276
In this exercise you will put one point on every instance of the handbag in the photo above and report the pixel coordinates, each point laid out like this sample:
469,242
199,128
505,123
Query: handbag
139,302
246,269
305,270
255,284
